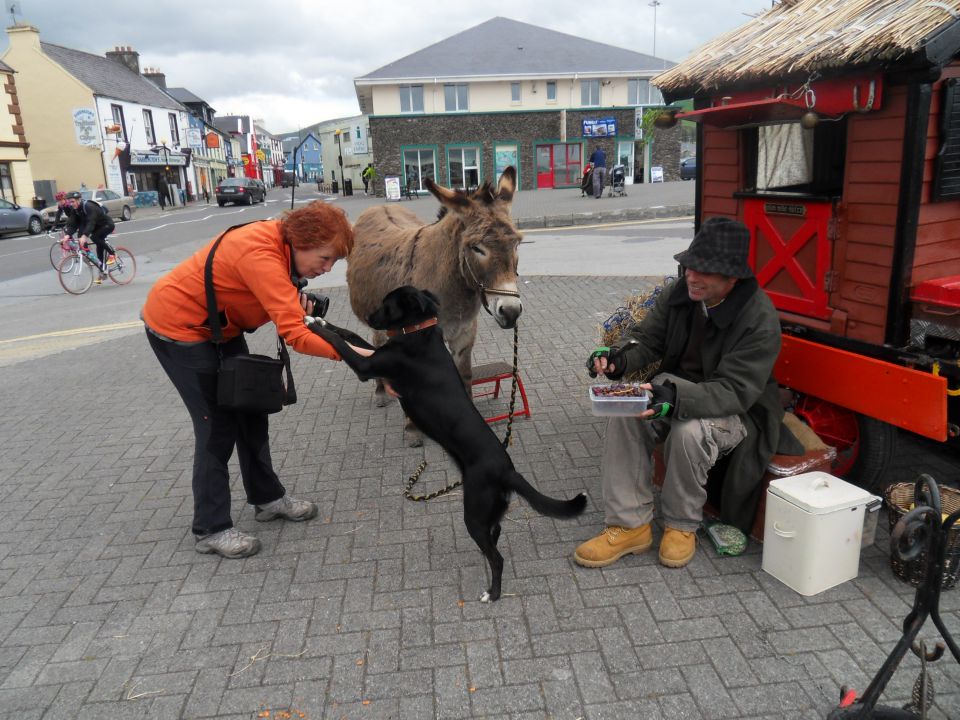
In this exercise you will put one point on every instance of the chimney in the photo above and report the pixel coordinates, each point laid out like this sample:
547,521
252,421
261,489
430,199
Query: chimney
127,56
156,77
27,35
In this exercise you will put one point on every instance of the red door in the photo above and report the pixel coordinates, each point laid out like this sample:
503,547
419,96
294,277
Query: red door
544,166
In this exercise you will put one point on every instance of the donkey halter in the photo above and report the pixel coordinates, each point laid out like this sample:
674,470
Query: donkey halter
484,290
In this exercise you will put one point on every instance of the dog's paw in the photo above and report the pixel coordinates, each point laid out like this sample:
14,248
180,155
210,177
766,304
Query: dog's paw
381,399
485,598
412,438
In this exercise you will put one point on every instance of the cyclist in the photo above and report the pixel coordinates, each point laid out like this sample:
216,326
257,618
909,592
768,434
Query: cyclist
88,221
64,210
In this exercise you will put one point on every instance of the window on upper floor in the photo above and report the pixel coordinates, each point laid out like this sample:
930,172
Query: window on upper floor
515,92
589,92
174,129
117,112
641,92
455,97
148,127
411,98
551,91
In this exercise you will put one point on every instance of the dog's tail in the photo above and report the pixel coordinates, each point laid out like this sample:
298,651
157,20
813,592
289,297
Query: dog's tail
543,504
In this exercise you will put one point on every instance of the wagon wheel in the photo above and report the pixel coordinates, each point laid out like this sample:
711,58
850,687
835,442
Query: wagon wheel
865,446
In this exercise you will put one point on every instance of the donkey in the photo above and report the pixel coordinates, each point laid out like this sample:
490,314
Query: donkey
467,259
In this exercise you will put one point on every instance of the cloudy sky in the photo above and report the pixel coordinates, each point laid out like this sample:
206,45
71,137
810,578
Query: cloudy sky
292,62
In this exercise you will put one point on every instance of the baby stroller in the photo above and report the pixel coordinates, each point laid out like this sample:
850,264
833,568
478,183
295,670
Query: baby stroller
618,181
586,183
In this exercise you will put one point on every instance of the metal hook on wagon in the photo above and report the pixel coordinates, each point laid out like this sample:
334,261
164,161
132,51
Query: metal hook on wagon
870,97
936,373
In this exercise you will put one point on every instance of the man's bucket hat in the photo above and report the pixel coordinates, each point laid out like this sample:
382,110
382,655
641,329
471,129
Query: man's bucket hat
722,246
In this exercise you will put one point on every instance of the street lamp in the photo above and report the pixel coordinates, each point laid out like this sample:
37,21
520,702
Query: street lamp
654,5
336,134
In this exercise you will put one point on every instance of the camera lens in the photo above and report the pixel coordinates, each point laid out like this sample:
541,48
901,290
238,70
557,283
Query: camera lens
321,303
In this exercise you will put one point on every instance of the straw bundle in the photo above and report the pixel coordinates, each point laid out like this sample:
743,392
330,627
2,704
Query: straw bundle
800,37
625,317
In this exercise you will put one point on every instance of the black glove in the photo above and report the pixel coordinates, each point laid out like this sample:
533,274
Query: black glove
321,303
664,399
614,356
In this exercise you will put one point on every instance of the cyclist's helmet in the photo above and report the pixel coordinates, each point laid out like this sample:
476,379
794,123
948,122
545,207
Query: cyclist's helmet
60,197
75,195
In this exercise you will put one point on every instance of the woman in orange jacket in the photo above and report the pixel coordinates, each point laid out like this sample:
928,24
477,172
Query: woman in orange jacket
257,272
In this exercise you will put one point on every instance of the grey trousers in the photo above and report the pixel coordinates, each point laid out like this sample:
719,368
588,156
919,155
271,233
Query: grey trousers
690,449
599,179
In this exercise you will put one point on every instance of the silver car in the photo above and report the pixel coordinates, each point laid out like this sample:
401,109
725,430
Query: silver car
16,218
120,207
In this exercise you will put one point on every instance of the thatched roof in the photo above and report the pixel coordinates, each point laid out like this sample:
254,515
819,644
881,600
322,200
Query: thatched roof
799,37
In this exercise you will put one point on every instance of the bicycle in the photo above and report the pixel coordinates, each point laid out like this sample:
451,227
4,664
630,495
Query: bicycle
63,246
76,270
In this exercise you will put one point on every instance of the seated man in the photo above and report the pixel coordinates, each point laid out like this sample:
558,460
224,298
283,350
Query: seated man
717,336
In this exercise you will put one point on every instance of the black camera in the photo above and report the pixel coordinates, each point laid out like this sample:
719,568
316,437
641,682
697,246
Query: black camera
321,303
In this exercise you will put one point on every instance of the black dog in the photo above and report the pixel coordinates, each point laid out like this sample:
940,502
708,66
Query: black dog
416,363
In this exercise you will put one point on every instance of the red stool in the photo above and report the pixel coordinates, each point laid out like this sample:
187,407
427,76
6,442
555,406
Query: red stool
496,372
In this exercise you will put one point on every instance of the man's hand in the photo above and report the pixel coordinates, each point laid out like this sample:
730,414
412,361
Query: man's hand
664,400
608,361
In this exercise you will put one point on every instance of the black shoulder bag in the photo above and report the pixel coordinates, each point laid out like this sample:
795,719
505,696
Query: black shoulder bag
247,383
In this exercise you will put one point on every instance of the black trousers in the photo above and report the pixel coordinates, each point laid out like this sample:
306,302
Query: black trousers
193,371
99,237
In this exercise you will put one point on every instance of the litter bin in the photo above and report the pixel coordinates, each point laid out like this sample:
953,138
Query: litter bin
334,187
347,186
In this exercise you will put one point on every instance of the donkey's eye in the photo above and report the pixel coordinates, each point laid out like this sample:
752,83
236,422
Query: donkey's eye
478,250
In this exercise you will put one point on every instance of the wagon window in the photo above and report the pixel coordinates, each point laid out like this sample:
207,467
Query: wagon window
946,173
787,158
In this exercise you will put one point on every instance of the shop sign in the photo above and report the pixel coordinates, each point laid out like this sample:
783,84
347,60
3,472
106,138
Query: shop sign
602,127
194,138
392,187
85,127
137,158
261,155
792,209
213,140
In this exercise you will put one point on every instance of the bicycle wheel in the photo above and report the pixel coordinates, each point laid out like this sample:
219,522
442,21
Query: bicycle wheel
76,279
124,267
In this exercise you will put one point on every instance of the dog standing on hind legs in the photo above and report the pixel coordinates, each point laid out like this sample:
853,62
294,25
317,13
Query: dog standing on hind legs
417,364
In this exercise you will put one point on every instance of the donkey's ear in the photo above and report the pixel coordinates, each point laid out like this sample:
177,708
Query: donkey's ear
507,184
449,198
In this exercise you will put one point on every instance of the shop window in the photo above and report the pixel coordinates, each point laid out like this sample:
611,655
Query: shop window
464,165
411,98
785,157
455,97
589,93
418,165
946,169
551,91
6,184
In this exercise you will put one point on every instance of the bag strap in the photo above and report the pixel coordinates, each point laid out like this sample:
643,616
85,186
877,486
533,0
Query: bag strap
213,317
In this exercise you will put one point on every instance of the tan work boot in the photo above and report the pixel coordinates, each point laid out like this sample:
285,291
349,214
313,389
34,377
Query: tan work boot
677,547
612,544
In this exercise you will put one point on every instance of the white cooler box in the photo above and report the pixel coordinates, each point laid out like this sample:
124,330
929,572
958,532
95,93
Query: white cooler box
812,531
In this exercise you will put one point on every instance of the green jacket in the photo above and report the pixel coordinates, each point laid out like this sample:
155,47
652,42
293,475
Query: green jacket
740,346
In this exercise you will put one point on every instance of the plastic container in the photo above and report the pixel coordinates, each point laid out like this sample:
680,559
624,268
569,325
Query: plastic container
618,405
813,530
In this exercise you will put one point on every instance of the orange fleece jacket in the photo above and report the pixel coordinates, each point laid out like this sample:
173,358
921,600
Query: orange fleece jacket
251,277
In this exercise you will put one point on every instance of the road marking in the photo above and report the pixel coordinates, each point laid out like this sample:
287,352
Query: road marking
77,331
567,228
178,222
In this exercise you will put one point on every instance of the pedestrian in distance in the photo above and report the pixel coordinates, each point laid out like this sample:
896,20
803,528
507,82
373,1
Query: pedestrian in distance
163,192
599,161
369,176
259,270
716,335
206,195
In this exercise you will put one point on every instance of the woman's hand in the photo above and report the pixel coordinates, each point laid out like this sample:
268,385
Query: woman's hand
361,351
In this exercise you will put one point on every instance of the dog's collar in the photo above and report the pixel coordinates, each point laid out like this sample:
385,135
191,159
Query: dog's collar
412,328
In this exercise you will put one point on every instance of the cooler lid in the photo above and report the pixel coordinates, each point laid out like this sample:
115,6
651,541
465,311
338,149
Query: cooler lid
819,492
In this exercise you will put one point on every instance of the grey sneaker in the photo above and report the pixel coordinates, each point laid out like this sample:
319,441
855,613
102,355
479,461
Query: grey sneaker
288,508
230,543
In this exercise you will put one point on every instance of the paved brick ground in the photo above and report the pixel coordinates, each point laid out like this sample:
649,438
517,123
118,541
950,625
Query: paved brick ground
370,611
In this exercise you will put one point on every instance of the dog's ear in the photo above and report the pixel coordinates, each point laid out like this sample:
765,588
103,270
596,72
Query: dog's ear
432,303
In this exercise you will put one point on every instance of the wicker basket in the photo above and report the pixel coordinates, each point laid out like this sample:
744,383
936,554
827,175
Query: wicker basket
900,499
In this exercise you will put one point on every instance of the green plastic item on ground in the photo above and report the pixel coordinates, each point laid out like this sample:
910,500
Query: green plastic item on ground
726,539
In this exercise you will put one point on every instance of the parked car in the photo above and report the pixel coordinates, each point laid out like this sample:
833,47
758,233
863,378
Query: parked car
119,206
290,178
15,218
688,168
240,190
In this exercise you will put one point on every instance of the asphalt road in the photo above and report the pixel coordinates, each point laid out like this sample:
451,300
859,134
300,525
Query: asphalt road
39,318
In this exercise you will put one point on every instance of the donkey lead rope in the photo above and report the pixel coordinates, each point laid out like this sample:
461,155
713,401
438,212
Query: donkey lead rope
412,480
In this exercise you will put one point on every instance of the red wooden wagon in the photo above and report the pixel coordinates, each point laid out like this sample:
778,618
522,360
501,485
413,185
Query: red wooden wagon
832,129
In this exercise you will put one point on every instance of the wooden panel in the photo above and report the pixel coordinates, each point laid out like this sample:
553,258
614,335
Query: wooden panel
939,212
722,173
872,214
874,235
870,254
883,127
720,206
866,313
875,150
721,157
934,232
868,274
865,332
718,138
883,194
881,172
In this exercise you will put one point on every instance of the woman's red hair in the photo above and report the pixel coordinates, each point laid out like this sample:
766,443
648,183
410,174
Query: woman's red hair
317,224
